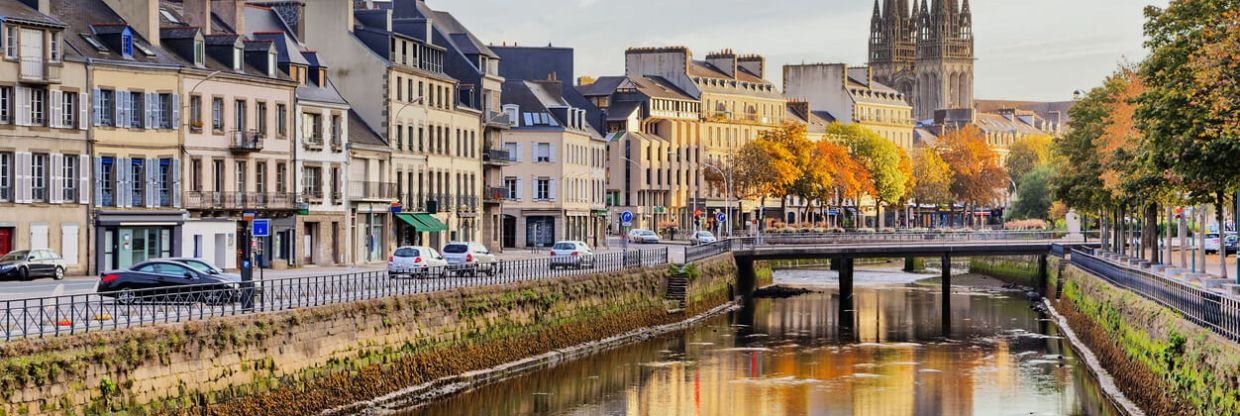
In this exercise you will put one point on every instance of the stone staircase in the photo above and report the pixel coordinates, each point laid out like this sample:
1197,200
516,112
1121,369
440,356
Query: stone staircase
677,291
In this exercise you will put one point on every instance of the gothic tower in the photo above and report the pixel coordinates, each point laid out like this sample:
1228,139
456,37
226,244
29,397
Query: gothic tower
927,54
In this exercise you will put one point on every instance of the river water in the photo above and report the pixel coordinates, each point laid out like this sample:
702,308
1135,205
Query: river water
785,357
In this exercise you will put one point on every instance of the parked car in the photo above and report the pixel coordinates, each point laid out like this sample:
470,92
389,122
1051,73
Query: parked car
416,261
1230,243
470,258
575,254
640,236
26,264
702,237
1212,243
167,280
203,266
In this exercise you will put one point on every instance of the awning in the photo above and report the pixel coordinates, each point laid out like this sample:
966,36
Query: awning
422,222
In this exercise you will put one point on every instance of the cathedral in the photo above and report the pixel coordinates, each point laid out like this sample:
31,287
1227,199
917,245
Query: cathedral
925,53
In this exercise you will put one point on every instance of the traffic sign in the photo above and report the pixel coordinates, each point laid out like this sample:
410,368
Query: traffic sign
626,217
721,217
261,228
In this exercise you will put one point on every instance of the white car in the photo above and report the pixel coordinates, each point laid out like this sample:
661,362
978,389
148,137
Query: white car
1213,242
470,258
640,236
702,237
416,261
575,254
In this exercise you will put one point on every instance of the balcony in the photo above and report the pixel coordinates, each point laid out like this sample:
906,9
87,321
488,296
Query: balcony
495,195
35,69
372,190
497,120
204,200
466,203
246,141
497,157
313,142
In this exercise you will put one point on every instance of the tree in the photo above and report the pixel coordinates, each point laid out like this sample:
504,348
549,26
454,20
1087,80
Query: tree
1034,199
977,176
881,158
835,175
934,177
1028,153
1186,110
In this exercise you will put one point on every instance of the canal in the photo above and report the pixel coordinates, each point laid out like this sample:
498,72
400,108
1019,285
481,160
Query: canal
785,357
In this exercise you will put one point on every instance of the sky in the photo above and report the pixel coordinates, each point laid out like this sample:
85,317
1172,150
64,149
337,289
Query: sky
1026,50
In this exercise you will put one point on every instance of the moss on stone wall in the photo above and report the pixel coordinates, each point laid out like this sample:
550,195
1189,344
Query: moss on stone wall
392,343
1021,270
1166,364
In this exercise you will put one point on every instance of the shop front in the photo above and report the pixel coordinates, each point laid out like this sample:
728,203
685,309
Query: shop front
371,235
414,227
125,238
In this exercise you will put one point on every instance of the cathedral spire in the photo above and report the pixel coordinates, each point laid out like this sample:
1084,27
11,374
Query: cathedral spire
877,16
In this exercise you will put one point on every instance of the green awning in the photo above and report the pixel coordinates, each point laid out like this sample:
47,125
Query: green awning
422,222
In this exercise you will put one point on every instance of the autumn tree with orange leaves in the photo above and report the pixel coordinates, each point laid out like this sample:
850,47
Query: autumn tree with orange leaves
977,177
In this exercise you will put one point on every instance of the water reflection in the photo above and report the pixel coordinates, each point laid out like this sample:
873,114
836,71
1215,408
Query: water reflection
783,357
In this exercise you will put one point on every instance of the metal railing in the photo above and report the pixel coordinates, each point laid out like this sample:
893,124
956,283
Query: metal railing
372,190
240,200
497,156
77,314
1208,308
246,141
705,251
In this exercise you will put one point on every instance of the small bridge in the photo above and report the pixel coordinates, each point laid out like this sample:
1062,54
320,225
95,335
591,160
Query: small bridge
844,249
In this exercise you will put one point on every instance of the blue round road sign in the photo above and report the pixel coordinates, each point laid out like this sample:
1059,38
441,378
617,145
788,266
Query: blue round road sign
721,217
626,216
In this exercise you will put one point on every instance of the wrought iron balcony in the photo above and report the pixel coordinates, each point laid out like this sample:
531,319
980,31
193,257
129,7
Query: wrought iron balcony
246,141
240,200
495,195
498,120
466,203
497,157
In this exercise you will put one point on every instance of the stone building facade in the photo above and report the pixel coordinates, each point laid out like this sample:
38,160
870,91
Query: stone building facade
925,53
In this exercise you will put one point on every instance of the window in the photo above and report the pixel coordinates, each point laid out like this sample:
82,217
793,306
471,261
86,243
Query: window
217,174
281,173
236,63
6,176
260,177
261,118
313,123
217,114
271,64
542,152
200,52
311,182
6,105
336,199
195,112
281,124
38,177
400,135
510,183
399,92
336,131
127,44
543,190
511,148
137,181
10,42
38,107
69,178
165,182
241,172
107,183
107,108
54,52
195,175
68,111
136,107
239,115
165,111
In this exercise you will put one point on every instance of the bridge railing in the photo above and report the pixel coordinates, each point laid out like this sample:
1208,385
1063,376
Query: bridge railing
1211,309
75,314
859,237
701,252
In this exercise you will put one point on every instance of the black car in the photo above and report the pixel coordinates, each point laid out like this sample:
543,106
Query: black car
168,281
26,264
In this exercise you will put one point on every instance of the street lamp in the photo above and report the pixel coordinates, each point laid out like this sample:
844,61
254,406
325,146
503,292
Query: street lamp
728,177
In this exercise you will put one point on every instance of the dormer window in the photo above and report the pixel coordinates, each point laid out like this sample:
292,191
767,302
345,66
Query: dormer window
127,44
237,56
271,64
54,51
200,52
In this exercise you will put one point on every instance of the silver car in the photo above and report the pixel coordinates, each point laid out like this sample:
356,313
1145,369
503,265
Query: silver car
575,254
640,236
702,237
470,258
416,261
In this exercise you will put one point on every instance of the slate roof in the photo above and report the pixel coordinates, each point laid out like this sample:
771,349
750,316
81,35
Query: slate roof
16,11
83,16
620,111
601,86
541,96
1044,109
361,133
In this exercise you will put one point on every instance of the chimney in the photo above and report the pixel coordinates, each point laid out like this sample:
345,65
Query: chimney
40,5
755,64
232,12
198,13
141,15
725,60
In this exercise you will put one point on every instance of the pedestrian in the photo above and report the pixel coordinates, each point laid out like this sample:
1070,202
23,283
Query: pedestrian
671,231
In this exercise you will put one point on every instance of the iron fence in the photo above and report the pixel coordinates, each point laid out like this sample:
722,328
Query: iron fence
1203,306
704,251
76,314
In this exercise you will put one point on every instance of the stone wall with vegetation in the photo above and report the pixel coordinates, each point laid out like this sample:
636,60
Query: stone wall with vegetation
1164,363
1021,270
310,360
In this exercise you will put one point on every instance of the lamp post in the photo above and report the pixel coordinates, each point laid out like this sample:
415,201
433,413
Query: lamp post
728,177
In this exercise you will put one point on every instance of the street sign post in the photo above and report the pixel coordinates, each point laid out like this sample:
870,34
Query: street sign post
626,218
261,228
721,217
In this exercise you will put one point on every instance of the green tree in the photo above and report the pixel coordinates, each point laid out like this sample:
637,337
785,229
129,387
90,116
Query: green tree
1033,195
934,177
1028,153
881,157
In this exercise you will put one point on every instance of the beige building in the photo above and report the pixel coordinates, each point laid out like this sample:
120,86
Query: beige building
44,161
841,94
556,186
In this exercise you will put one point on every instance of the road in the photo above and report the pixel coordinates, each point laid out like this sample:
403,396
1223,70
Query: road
78,285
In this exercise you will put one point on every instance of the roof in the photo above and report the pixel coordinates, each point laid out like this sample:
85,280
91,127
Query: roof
360,133
542,97
326,94
994,123
266,24
659,87
1044,109
620,111
601,86
825,116
85,16
458,34
16,11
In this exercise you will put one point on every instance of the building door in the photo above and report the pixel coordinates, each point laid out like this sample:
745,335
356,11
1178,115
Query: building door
510,231
539,231
221,250
336,242
307,239
6,240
